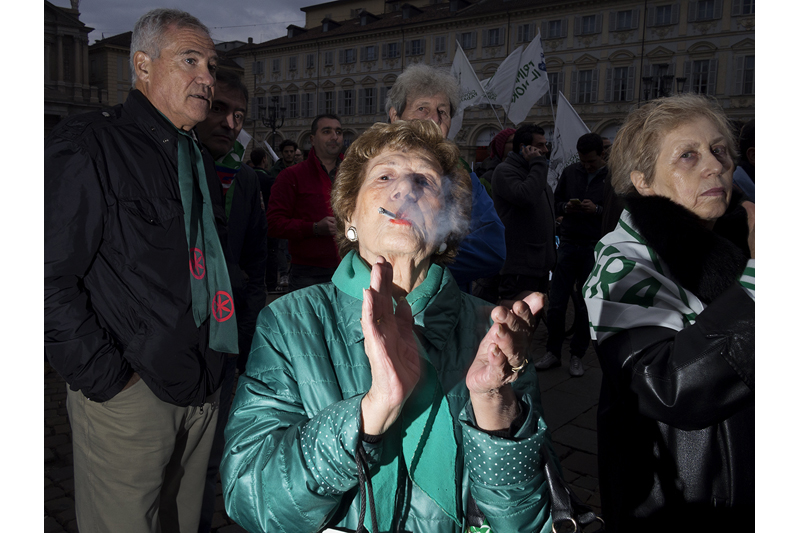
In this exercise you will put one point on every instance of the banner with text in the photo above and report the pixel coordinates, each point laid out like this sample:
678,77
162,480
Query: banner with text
531,82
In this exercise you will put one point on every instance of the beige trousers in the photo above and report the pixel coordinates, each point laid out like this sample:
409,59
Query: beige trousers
140,463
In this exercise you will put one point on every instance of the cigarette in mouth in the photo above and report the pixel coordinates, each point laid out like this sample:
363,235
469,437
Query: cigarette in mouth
389,214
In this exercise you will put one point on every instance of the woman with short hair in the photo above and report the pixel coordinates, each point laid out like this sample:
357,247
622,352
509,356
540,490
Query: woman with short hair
671,307
388,388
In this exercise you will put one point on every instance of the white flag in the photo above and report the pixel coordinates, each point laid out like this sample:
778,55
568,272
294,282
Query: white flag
500,87
531,82
470,87
569,128
244,138
271,151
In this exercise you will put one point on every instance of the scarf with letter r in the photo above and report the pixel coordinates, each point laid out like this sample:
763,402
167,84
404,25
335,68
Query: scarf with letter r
211,286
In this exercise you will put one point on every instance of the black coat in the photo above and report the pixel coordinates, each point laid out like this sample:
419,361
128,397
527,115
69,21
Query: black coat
524,203
580,228
117,296
676,419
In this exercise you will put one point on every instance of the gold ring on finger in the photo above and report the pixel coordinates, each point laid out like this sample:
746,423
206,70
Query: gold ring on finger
516,369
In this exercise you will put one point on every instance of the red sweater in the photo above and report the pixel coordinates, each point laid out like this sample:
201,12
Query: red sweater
301,196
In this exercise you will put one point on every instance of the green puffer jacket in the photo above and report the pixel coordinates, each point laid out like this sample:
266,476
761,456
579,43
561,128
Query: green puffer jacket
289,461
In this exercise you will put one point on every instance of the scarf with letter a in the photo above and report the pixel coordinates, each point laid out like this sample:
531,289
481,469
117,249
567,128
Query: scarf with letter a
211,286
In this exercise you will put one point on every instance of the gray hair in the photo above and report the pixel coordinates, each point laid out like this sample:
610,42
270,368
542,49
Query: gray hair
148,33
422,80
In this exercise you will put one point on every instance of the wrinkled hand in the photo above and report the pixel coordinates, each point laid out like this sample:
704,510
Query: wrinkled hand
391,349
506,345
750,207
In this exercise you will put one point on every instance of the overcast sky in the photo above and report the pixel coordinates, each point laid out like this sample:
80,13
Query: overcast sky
228,20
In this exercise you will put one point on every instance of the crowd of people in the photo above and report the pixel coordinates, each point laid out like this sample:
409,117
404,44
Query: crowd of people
391,388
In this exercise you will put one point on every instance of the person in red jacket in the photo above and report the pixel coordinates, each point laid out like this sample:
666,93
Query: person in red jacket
299,207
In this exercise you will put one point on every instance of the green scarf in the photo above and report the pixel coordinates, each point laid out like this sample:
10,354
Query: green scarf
211,286
424,434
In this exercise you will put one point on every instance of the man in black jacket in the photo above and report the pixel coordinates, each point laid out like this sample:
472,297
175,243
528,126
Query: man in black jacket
247,246
524,203
579,199
138,309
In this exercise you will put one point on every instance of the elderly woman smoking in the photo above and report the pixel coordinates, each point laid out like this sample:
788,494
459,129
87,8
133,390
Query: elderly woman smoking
389,389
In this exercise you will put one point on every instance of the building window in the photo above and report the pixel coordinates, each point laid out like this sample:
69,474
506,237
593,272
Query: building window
367,105
369,53
705,9
745,75
307,105
492,37
258,67
415,47
524,33
701,76
293,63
663,15
588,24
276,66
310,61
346,106
624,20
554,29
620,84
743,7
555,80
346,56
391,50
329,103
584,87
440,44
329,58
467,40
292,107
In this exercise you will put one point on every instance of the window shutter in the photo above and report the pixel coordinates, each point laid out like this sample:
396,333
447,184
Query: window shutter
631,83
474,36
519,32
361,101
321,102
422,47
564,26
595,83
341,57
503,35
485,38
383,51
598,23
712,77
676,12
578,28
408,48
544,29
382,100
609,84
651,16
573,89
635,19
363,53
612,21
739,80
736,9
560,85
692,11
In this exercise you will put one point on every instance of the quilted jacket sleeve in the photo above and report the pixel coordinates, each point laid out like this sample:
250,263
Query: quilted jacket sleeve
281,470
507,478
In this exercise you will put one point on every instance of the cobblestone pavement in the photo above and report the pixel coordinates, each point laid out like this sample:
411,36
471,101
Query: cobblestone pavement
570,406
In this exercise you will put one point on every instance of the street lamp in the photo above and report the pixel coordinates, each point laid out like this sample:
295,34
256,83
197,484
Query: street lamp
680,82
270,117
647,81
663,82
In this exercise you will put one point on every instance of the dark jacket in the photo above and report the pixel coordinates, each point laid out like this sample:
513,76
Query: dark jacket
247,247
117,297
676,419
300,196
524,201
580,228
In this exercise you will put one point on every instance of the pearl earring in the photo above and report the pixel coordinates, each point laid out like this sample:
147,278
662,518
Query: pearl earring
442,248
351,234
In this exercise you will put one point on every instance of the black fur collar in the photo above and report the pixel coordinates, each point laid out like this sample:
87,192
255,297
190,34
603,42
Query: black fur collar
704,261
